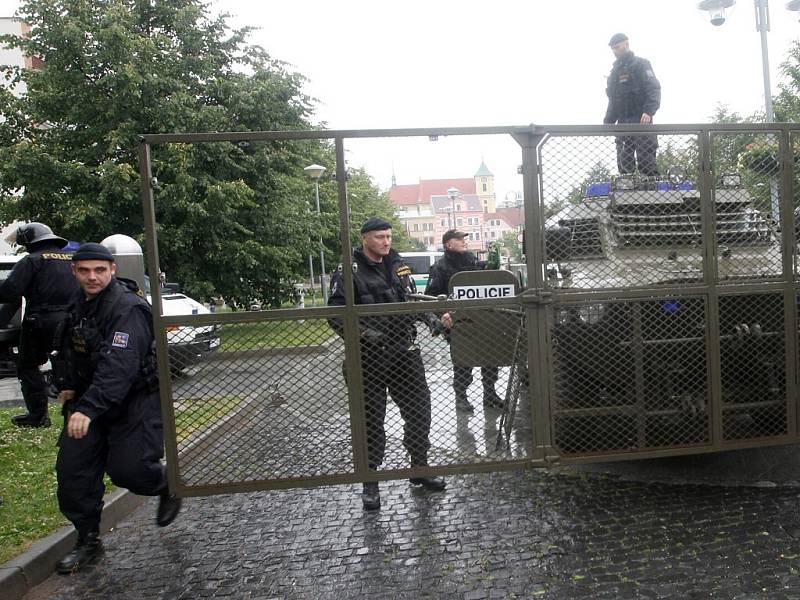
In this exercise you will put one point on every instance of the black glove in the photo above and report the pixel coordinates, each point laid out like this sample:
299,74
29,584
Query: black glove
436,326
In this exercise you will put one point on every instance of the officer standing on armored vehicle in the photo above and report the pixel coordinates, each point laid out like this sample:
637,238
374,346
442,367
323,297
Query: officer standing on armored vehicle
390,358
456,259
44,278
108,385
634,96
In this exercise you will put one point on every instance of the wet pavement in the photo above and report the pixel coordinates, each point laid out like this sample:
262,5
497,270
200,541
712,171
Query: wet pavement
715,526
563,534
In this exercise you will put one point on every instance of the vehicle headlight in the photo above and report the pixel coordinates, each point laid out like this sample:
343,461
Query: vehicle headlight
591,313
731,180
624,182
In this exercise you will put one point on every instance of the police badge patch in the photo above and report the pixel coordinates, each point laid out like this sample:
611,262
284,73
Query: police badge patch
120,340
403,271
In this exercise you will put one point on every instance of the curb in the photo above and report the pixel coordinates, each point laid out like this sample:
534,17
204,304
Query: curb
33,566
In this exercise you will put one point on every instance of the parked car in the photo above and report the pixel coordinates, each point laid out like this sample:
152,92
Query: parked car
187,344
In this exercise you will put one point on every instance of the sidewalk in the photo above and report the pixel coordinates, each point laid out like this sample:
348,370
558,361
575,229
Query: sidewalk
722,525
10,393
565,534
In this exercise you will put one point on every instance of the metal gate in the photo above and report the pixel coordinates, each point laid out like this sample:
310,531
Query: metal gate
656,316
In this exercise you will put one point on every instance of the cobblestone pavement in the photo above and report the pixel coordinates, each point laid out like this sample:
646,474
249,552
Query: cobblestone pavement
564,534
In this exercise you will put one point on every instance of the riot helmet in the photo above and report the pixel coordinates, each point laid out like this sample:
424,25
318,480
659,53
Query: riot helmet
33,233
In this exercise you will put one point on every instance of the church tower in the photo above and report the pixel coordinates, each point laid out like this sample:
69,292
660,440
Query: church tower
484,188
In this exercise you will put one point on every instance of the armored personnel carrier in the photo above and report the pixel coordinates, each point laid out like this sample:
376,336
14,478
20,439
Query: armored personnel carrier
631,371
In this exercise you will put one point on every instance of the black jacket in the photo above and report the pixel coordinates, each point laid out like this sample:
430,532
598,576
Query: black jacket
378,283
44,278
112,356
447,266
632,90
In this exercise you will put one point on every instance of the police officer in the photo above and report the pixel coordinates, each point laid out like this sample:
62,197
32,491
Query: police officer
634,96
456,259
111,403
390,359
44,278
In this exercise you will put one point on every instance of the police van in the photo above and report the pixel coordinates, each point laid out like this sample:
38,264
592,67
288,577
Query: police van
421,263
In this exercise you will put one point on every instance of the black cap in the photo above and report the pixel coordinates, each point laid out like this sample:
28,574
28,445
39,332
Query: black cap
451,234
92,251
375,224
617,38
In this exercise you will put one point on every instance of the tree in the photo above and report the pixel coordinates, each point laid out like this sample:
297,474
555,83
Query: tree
787,104
366,200
232,217
673,154
599,172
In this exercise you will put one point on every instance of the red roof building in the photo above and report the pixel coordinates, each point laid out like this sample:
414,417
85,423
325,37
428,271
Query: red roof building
427,209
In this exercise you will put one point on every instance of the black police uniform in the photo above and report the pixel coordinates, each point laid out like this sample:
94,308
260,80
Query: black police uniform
44,278
389,357
633,90
438,282
112,365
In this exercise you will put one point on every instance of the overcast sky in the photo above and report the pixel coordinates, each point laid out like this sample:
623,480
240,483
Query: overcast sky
390,64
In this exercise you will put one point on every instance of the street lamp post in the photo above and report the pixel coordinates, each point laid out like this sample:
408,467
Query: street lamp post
311,274
716,10
453,194
315,172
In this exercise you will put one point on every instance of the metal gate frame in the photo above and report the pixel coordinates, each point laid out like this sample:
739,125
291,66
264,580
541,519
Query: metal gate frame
534,300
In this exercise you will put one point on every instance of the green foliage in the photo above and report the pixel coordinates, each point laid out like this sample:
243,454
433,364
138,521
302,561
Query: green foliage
671,154
509,245
114,69
493,256
599,172
751,155
787,104
366,200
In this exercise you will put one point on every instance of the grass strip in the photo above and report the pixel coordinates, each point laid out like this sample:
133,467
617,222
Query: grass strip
275,334
194,415
27,482
29,510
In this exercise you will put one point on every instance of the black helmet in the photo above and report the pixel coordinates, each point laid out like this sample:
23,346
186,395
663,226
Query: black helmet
33,233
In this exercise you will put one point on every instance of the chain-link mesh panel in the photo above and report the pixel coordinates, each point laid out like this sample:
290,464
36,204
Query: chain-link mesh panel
752,361
268,402
629,375
263,398
444,399
747,206
794,142
613,226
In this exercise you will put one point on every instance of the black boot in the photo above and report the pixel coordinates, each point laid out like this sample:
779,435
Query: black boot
371,496
432,484
29,420
169,506
492,400
87,547
462,404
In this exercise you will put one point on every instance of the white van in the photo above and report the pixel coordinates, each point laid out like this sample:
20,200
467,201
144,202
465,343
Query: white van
421,263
